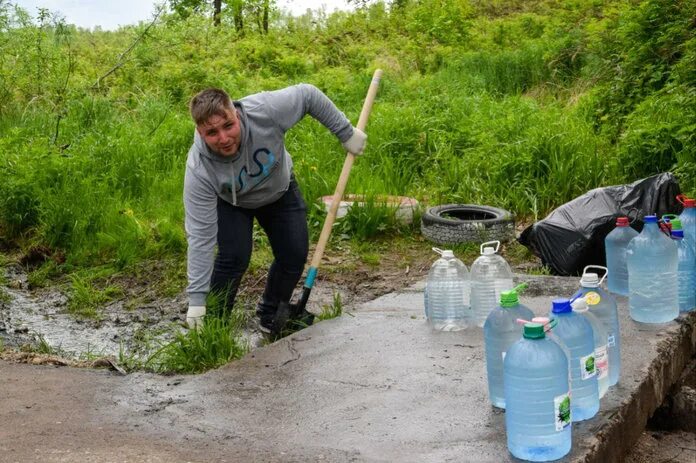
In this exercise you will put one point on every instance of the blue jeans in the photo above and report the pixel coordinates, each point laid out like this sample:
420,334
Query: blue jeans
285,224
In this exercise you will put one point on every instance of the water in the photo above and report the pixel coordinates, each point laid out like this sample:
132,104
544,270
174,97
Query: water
490,275
602,362
615,245
652,267
688,221
537,418
501,331
446,296
603,306
576,333
686,269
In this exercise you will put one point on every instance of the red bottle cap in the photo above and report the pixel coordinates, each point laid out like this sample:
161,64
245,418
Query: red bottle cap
622,222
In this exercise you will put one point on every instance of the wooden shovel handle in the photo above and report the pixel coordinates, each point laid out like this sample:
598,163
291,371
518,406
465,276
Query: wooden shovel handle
345,173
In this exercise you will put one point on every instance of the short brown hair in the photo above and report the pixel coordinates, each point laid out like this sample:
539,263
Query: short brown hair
210,102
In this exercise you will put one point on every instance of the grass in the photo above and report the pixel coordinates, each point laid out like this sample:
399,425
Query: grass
217,343
333,310
85,300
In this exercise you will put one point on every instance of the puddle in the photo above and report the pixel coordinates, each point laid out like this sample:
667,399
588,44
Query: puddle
30,317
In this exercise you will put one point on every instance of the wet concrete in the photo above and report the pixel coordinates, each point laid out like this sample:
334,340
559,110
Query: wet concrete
373,385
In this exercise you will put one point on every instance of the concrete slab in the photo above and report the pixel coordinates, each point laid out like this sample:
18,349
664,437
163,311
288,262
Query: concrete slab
373,385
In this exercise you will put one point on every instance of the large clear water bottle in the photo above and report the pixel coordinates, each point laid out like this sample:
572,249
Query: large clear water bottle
599,333
603,306
537,397
446,295
688,219
549,325
615,245
490,275
652,275
501,331
576,332
686,268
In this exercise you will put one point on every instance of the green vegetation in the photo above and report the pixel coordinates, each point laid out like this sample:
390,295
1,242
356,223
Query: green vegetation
333,310
521,104
215,344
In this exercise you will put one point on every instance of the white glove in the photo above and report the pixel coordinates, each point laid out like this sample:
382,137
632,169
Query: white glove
356,143
194,316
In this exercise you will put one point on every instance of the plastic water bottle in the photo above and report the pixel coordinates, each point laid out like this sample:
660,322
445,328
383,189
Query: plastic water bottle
615,245
652,275
576,332
446,294
599,334
686,268
688,219
603,306
549,325
537,395
501,331
490,275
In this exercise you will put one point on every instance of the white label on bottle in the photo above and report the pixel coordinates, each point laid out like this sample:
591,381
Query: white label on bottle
601,362
561,408
587,367
611,340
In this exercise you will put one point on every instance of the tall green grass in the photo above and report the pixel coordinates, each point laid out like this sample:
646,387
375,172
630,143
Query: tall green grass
512,105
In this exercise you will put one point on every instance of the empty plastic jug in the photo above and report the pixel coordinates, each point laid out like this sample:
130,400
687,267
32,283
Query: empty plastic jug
490,275
576,333
599,333
686,268
538,412
446,295
615,245
652,275
501,331
603,306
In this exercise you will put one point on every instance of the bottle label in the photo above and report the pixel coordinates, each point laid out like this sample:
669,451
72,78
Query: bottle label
587,367
611,340
601,362
561,406
592,298
504,355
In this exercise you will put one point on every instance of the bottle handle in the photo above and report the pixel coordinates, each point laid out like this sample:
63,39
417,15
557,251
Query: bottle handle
439,251
635,217
606,272
682,198
490,242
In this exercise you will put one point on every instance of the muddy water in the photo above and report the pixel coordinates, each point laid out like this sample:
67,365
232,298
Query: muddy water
29,317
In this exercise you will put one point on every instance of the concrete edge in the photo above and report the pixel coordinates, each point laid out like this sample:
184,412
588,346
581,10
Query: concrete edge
618,438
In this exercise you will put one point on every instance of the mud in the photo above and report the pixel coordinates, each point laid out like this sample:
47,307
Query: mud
40,320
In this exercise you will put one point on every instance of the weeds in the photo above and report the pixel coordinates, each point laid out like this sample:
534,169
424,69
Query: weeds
218,342
333,310
85,300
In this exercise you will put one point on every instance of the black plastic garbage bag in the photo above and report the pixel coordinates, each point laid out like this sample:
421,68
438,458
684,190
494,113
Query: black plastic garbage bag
572,236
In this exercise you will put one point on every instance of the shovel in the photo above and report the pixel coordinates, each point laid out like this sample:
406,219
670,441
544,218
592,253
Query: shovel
297,311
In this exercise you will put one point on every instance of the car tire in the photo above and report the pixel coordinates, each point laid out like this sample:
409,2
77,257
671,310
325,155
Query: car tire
467,223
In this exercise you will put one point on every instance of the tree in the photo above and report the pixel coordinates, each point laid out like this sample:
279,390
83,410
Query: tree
257,10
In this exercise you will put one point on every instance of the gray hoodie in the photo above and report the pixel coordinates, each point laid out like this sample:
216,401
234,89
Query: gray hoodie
258,174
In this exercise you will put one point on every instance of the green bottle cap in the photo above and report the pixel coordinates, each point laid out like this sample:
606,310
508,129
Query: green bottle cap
676,224
533,331
510,298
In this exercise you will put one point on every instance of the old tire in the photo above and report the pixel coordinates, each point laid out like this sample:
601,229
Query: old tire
464,223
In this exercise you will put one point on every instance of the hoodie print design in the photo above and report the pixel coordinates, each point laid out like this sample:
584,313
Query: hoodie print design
266,162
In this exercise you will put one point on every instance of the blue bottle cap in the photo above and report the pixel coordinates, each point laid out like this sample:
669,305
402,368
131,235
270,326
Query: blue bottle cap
650,219
561,306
